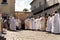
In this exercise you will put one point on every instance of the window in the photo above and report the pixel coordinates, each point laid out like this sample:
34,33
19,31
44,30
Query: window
39,3
4,1
34,7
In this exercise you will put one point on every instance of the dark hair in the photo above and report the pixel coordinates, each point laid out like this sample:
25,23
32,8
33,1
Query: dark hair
49,14
55,11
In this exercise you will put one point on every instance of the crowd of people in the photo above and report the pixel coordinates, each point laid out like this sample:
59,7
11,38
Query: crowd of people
51,23
11,23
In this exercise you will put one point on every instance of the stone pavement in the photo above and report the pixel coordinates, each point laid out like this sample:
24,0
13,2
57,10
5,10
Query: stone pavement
30,35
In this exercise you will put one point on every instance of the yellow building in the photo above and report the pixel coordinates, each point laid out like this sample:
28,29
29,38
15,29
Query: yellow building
7,6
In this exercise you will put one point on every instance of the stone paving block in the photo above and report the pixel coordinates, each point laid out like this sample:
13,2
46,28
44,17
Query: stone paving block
30,35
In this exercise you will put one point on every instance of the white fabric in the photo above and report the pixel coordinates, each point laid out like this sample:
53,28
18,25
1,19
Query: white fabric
12,24
32,24
34,27
49,24
59,22
55,24
27,23
52,30
37,24
17,22
42,22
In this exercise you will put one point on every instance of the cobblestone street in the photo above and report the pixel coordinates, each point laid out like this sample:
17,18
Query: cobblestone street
30,35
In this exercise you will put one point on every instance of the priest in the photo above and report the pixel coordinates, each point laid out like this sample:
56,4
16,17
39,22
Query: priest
55,23
12,24
49,24
42,22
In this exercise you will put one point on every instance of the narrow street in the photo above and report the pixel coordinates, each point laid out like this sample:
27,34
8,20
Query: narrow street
30,35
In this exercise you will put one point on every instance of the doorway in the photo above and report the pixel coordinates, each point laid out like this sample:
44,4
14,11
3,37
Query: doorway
23,25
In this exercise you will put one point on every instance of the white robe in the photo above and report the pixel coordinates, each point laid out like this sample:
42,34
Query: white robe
37,25
32,23
49,24
27,24
42,22
55,24
12,24
59,23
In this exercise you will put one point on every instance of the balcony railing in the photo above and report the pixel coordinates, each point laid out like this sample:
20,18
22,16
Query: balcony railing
43,8
37,9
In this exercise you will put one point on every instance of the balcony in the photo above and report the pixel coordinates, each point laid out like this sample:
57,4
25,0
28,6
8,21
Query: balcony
40,8
43,8
37,9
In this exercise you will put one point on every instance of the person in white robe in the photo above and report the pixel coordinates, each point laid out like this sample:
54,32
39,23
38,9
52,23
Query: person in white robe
55,26
12,24
49,24
59,22
37,24
32,23
53,15
42,22
27,23
17,23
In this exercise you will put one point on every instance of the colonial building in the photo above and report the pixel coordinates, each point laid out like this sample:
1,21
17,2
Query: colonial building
7,6
44,7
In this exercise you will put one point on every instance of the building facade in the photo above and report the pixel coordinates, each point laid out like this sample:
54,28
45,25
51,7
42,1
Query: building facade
43,7
7,6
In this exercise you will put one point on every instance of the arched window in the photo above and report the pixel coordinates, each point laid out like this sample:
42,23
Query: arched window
4,1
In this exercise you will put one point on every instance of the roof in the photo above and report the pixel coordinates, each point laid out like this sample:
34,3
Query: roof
32,2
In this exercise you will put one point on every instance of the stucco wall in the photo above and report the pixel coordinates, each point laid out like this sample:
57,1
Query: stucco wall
8,8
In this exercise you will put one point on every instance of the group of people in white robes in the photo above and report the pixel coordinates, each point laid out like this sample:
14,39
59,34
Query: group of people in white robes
53,23
29,23
14,23
36,24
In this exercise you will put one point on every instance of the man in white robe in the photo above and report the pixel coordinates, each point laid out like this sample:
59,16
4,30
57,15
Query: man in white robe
37,25
17,23
27,23
49,24
32,23
42,22
12,24
55,25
